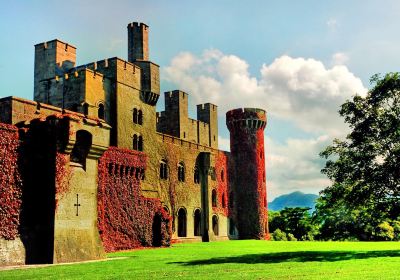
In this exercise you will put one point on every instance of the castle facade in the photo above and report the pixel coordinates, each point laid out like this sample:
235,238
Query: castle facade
89,166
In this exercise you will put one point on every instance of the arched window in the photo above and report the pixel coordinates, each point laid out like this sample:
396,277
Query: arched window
135,142
196,177
140,144
215,225
182,222
135,115
223,201
197,222
214,198
222,176
100,111
181,172
140,117
81,148
163,169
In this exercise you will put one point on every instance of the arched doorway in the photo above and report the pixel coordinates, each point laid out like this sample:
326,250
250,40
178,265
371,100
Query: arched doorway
215,225
181,222
157,230
197,222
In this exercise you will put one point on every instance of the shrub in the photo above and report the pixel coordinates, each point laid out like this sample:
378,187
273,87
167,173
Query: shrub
279,235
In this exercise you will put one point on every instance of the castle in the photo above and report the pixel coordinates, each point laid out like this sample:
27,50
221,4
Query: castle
89,166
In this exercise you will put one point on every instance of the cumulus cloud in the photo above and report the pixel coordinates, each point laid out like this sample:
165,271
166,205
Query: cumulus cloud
302,91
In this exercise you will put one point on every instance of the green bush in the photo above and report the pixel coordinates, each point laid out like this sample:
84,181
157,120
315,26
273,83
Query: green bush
290,237
279,235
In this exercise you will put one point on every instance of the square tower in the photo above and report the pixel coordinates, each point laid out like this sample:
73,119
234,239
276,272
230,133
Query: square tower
52,59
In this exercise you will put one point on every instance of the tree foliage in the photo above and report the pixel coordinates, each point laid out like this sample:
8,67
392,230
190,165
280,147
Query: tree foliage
364,167
295,222
364,198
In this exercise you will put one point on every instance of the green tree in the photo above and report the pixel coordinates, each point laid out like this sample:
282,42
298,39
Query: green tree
295,221
364,168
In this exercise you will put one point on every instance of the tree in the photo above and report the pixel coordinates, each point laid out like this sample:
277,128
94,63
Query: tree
295,221
365,167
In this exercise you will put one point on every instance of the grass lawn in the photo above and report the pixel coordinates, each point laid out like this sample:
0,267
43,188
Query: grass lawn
247,259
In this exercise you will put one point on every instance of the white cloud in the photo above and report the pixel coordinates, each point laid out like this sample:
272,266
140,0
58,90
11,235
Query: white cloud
300,90
339,58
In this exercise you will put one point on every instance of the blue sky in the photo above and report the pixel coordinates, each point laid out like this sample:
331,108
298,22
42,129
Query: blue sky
298,59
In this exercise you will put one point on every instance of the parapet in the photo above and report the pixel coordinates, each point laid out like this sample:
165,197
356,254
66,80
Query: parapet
54,43
137,25
246,118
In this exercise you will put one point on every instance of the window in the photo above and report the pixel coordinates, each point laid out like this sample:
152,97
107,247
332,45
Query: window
223,201
139,173
222,176
140,144
137,143
137,116
100,112
181,172
214,198
140,117
196,177
163,169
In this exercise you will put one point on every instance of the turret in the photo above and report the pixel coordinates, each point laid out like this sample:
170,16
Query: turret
138,41
52,59
138,53
208,113
246,127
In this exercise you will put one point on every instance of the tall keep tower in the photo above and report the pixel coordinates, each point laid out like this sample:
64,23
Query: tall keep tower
246,128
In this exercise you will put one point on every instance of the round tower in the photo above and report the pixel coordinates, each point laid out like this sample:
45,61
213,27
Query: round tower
246,128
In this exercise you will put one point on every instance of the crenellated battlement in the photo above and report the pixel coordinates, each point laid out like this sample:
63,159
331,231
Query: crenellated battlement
55,43
136,24
246,118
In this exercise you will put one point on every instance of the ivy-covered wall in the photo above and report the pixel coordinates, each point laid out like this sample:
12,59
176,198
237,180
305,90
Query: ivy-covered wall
10,183
126,219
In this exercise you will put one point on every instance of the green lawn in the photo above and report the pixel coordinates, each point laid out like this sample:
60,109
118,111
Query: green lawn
237,260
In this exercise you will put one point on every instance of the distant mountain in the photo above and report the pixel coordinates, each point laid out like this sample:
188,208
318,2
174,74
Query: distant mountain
294,199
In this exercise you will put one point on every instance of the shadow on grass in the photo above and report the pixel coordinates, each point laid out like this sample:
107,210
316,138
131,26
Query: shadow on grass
301,256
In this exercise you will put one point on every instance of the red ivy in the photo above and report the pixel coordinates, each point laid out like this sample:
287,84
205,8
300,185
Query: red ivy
10,182
125,217
63,175
222,174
